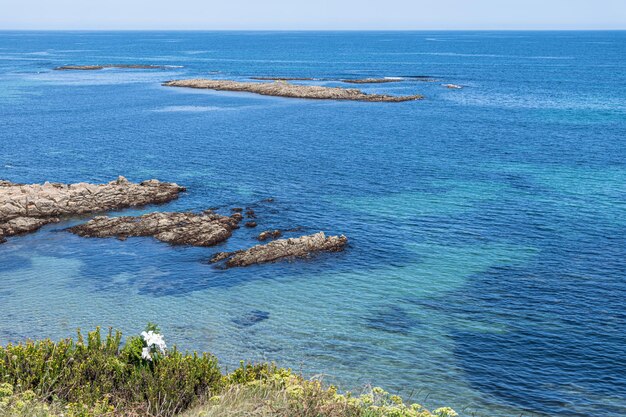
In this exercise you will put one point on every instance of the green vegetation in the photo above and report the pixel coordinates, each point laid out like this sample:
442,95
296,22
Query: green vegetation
98,377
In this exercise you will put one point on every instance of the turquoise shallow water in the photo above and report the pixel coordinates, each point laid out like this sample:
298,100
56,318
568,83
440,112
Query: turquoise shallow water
487,260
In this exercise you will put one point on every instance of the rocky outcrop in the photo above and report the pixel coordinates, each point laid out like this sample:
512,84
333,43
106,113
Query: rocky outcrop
373,80
282,78
100,67
285,89
26,208
300,247
205,229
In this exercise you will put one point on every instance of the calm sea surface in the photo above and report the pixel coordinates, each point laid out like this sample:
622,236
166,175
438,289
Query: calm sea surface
487,259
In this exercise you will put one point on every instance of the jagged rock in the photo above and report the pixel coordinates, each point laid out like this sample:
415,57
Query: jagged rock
236,209
285,89
206,229
269,234
26,208
237,217
251,225
250,214
300,247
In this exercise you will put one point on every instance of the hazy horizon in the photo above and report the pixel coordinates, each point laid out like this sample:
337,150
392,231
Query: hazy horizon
279,15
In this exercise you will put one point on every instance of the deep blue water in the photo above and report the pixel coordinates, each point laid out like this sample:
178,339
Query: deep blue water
487,260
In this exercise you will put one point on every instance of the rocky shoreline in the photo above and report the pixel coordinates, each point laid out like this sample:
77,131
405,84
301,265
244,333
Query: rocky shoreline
301,247
25,208
100,67
285,89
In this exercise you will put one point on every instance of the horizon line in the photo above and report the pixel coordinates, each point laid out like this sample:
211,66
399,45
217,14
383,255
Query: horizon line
312,30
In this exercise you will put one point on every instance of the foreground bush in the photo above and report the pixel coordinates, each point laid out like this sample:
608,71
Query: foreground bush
88,372
100,378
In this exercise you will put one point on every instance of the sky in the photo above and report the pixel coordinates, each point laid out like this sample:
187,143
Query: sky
313,15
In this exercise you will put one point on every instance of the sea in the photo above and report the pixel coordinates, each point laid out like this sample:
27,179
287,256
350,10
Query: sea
486,265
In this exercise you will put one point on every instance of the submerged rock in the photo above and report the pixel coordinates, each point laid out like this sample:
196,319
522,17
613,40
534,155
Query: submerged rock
251,225
100,67
251,318
25,208
453,86
206,229
285,89
300,247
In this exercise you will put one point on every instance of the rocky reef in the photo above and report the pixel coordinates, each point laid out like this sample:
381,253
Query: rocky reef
285,89
373,80
25,208
100,67
300,247
205,229
282,78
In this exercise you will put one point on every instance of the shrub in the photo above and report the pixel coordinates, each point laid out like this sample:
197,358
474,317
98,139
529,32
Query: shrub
86,372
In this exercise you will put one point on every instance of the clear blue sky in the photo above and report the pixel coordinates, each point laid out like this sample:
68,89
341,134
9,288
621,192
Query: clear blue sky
310,14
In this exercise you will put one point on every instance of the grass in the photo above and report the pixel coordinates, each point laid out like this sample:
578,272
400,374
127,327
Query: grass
100,377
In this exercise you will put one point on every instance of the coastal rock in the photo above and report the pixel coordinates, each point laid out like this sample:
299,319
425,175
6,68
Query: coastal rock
373,80
285,89
100,67
453,86
282,78
251,225
300,247
250,214
206,229
25,208
269,234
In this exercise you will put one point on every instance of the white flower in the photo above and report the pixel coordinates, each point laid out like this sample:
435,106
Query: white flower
145,354
154,340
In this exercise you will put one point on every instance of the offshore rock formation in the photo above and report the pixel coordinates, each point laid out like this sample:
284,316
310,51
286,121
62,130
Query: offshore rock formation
206,229
285,89
373,80
282,78
26,208
100,67
300,247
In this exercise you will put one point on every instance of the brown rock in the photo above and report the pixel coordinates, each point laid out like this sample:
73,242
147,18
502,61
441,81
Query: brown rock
285,89
251,225
174,228
26,208
301,247
269,234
